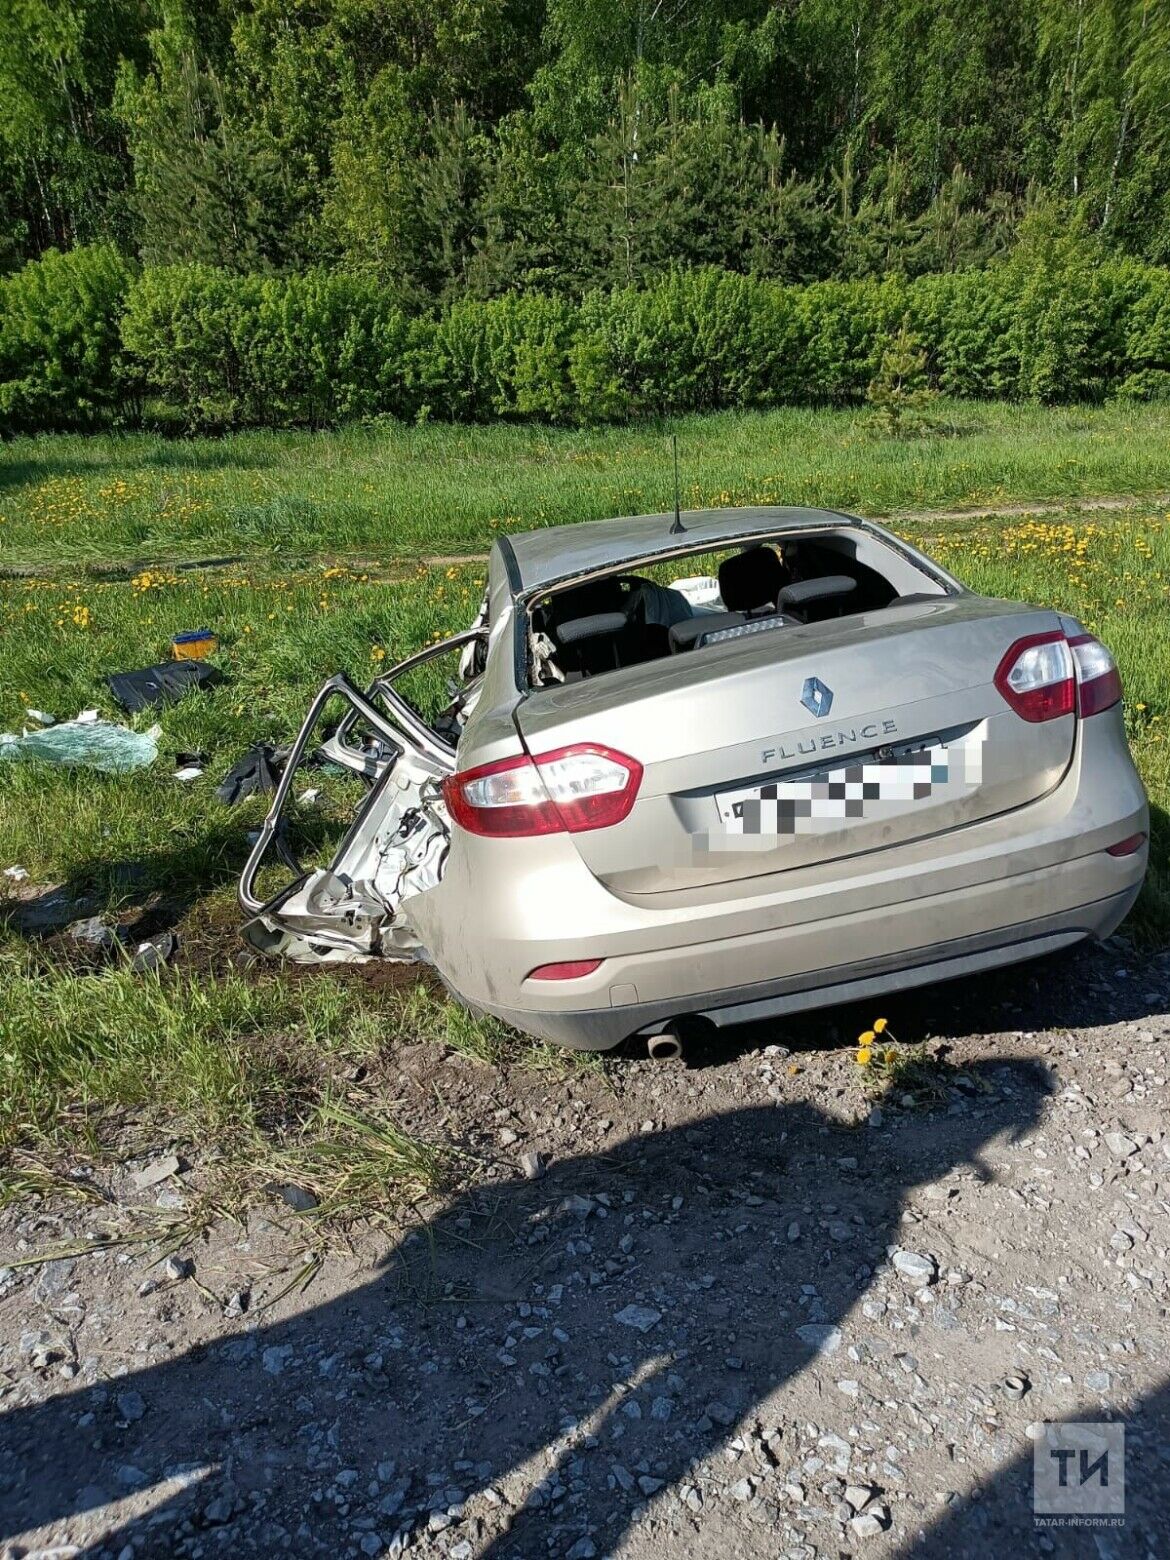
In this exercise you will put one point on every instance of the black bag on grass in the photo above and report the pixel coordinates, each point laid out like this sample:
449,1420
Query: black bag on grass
162,684
253,775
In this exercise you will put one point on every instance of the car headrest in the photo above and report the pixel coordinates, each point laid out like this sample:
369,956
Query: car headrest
591,627
804,593
751,579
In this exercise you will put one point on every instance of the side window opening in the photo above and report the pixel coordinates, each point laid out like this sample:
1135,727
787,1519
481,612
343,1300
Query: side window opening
438,687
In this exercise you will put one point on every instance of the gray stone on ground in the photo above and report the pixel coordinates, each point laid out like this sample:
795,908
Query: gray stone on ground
916,1267
640,1317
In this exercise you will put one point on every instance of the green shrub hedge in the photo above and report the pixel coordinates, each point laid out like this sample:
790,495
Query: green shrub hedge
227,350
81,337
61,359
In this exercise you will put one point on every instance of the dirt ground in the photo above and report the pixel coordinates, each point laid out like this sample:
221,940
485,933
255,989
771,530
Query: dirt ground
741,1310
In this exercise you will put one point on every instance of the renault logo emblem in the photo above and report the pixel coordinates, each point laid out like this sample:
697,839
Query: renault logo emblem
817,697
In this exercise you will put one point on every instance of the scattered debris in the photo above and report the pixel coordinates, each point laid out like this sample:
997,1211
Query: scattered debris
532,1165
194,645
158,1171
190,765
153,953
256,774
52,910
296,1197
42,716
152,686
85,743
92,932
16,874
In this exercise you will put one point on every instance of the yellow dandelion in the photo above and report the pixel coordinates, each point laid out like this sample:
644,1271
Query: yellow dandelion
864,1056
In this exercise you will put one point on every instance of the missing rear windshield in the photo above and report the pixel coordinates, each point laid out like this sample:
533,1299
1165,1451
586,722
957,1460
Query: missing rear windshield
688,603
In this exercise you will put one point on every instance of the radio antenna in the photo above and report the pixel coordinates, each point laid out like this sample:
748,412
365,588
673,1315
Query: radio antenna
678,528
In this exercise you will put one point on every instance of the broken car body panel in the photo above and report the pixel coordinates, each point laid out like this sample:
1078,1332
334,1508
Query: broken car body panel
394,848
841,772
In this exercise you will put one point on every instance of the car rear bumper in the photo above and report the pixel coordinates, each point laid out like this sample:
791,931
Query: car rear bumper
1001,890
602,1028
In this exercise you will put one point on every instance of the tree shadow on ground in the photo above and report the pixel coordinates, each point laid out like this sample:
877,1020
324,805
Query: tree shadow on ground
496,1350
164,885
999,1517
118,454
1085,986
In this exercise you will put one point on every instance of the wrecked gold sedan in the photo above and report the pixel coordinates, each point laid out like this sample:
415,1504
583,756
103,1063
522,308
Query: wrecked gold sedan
774,759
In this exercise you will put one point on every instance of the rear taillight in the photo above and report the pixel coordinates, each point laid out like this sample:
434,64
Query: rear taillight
568,969
1128,846
1098,680
1036,677
569,790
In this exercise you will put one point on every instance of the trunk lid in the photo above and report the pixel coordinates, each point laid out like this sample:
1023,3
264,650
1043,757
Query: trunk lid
808,744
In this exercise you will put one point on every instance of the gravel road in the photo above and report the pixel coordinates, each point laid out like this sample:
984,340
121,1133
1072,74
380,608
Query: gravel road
726,1307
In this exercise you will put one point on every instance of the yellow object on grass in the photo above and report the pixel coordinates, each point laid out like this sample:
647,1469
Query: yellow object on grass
194,646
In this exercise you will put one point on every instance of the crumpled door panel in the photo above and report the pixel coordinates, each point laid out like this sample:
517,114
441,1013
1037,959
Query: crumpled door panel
357,908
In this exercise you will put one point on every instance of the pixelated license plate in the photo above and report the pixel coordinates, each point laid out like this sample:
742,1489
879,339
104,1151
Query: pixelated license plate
867,787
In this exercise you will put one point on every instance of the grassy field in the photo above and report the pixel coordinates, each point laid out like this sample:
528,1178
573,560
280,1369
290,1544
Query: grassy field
410,492
258,1063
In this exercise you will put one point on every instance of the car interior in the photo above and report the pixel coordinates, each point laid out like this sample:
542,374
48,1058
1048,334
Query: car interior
625,620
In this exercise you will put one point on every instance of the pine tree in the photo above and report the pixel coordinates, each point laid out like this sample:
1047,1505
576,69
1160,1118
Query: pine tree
900,393
209,185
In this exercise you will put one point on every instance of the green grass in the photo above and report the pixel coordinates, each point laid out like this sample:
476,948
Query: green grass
407,492
261,1065
255,1068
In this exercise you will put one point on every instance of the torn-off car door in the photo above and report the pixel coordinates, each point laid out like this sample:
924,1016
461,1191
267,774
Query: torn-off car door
396,847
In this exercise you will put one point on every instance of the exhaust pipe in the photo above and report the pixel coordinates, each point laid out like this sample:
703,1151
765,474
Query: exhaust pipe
666,1046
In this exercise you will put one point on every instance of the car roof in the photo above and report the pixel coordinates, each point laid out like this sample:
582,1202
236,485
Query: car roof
542,558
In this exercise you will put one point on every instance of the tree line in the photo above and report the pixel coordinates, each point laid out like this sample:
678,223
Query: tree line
475,148
88,337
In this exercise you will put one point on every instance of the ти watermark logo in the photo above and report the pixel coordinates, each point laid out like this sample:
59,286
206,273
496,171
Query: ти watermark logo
1078,1475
